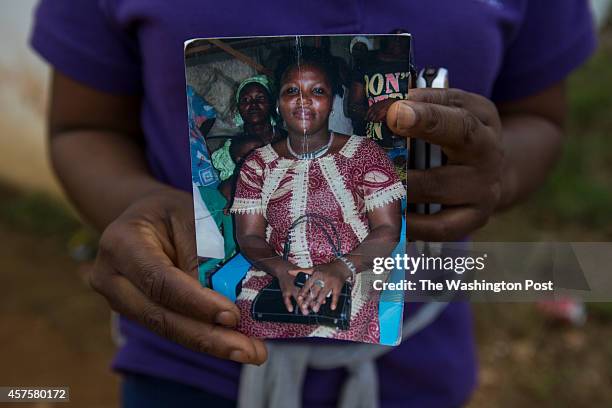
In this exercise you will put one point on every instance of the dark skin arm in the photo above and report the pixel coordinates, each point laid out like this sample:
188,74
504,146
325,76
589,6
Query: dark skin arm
146,265
536,126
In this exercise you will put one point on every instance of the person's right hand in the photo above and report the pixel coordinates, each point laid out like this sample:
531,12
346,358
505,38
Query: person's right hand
331,276
286,281
147,270
468,128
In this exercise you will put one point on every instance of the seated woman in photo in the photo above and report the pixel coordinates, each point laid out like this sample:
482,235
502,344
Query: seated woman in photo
347,180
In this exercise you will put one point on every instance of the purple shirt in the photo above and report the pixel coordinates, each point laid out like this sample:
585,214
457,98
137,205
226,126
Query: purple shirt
502,49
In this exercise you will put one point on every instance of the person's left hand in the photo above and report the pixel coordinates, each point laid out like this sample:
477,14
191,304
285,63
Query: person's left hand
468,128
324,279
378,111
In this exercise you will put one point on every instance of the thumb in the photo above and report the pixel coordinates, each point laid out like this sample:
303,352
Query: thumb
400,117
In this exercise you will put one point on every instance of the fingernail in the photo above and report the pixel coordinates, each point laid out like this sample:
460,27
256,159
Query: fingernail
237,356
406,116
226,318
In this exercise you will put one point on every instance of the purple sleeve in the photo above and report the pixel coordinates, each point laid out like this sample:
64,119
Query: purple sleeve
81,40
556,36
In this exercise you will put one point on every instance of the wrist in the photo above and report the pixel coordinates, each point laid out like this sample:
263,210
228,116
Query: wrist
346,267
145,188
281,269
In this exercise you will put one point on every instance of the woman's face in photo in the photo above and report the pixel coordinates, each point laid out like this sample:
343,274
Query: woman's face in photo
305,99
254,104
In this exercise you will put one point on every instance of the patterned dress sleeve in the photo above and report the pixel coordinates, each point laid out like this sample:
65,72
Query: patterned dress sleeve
247,199
380,183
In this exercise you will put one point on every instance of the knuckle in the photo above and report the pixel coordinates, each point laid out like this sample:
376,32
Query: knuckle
153,283
493,142
469,125
492,118
417,181
96,279
155,319
107,243
432,95
99,276
433,121
101,285
115,237
204,343
455,97
434,185
488,104
114,233
101,279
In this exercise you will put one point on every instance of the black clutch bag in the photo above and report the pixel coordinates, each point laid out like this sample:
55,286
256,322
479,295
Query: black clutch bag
268,306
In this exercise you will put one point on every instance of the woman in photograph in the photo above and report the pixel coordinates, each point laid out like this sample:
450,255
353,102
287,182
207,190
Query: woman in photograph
346,181
254,101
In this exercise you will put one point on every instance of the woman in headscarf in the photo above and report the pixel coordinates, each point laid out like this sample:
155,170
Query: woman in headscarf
255,115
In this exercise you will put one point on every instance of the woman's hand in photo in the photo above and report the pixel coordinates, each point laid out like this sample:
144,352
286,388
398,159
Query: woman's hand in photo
378,111
468,128
286,281
325,279
147,270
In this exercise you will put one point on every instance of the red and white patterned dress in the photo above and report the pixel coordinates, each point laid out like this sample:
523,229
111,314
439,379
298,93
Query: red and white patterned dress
342,187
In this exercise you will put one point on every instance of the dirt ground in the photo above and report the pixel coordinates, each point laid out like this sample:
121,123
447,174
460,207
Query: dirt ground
55,331
528,360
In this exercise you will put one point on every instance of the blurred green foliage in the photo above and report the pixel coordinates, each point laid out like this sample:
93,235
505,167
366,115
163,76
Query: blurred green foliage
601,312
590,88
36,213
580,189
